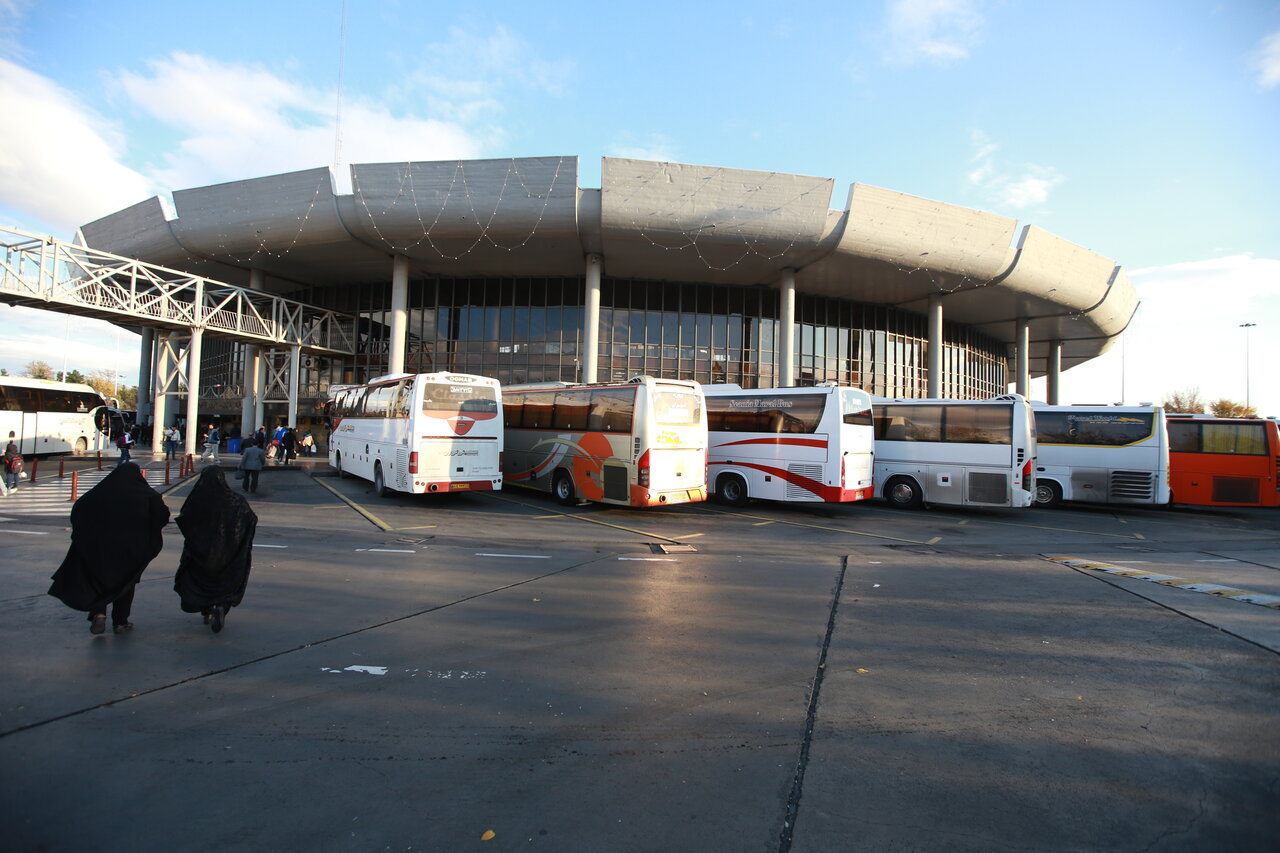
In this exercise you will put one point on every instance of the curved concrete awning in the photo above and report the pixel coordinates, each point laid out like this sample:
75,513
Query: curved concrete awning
648,220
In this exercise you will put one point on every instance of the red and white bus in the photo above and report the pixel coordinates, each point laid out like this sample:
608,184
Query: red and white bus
1224,461
1101,454
419,433
640,443
958,452
789,444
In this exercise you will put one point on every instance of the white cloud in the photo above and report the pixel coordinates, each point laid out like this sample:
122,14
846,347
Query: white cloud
936,31
1268,61
60,161
1017,188
79,343
1187,334
240,122
654,146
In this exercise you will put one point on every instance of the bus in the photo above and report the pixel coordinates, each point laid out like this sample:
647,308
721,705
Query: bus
789,444
54,417
419,433
1101,454
956,452
1224,461
639,443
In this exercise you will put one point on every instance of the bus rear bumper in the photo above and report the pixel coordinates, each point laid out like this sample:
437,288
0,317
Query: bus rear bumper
642,497
461,486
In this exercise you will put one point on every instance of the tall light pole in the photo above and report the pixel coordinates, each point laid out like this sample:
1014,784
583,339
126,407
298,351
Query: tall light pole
1246,327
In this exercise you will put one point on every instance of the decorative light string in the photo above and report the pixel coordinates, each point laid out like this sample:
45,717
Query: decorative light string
264,235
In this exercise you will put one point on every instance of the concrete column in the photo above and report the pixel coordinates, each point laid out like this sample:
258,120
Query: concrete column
399,317
295,370
590,355
260,392
146,380
1054,373
193,391
1022,348
935,345
250,412
161,401
787,336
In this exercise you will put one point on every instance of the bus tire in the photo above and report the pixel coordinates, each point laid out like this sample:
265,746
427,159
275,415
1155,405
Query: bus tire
379,481
732,490
903,493
337,464
82,446
562,489
1048,494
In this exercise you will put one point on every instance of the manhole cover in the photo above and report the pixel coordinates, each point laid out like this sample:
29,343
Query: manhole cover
672,548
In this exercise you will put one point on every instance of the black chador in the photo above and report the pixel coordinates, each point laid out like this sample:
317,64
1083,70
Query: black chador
115,532
217,553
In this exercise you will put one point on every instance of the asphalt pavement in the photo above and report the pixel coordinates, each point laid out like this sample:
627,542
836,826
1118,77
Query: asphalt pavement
497,672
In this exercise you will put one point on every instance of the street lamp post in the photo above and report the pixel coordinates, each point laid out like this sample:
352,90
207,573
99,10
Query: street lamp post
1246,327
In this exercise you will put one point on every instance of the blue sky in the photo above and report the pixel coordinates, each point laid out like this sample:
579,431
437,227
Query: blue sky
1144,131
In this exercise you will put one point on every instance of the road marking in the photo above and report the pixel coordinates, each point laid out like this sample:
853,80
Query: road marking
651,559
1217,561
370,516
762,523
685,536
260,545
707,509
419,527
1064,529
518,556
29,532
387,550
1272,601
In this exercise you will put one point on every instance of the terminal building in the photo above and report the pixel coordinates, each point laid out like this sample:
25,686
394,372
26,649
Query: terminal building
508,268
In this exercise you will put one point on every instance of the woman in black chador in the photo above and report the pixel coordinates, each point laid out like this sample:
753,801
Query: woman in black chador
115,532
218,551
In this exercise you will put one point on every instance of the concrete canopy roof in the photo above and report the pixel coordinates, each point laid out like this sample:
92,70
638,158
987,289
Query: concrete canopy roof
648,220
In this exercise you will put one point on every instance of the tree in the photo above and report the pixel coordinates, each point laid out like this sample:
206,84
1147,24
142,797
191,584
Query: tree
1184,402
1225,408
38,370
71,376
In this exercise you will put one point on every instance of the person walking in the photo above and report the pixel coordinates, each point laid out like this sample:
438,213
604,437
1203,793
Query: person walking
12,465
252,461
116,531
211,440
217,551
289,443
172,439
124,442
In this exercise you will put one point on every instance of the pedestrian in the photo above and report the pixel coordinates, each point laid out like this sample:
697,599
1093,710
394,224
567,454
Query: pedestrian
289,443
12,464
252,462
124,441
308,444
260,436
173,438
217,551
211,440
115,532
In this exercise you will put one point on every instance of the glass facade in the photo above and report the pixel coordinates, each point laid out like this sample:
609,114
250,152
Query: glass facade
530,330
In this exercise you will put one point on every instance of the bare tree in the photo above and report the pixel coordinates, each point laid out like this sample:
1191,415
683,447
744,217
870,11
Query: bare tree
1184,402
1225,408
38,370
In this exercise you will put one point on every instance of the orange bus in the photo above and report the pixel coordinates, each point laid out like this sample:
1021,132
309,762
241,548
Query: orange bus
1224,461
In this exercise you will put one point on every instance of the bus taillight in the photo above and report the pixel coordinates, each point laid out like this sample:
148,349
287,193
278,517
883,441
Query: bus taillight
413,462
1026,475
642,470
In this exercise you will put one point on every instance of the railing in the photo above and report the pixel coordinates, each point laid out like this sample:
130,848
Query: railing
44,272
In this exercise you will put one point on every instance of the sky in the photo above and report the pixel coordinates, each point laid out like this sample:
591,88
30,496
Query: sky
1144,130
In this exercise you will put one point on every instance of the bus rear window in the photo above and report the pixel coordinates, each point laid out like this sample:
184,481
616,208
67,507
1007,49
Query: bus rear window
676,408
462,399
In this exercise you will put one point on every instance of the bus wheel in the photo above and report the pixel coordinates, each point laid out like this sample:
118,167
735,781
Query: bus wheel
1047,494
82,446
732,490
337,464
562,489
903,493
379,482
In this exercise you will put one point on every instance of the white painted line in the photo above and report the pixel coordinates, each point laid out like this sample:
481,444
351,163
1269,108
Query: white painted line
651,559
388,550
29,532
1129,562
520,556
1217,561
259,545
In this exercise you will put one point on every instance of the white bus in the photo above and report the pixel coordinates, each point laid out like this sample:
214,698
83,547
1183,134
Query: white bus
53,417
789,444
956,452
419,433
640,443
1101,454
